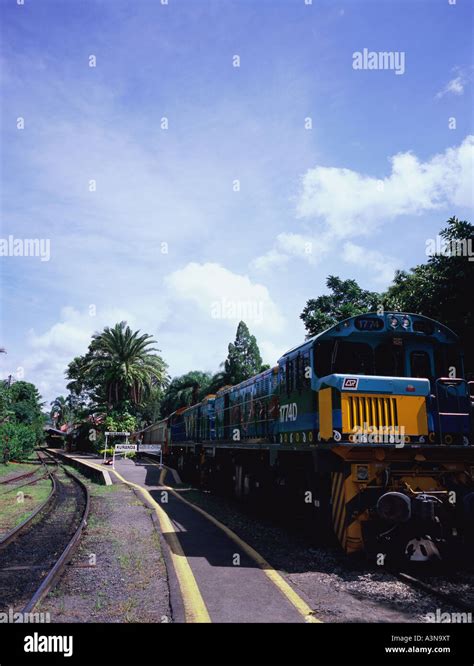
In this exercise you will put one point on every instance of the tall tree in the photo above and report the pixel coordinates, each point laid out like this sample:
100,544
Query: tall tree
26,403
346,299
244,359
60,411
22,418
119,369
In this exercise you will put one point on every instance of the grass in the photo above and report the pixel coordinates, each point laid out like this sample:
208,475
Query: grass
16,507
15,469
95,488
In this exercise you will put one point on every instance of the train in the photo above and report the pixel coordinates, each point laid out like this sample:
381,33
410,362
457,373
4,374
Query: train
363,435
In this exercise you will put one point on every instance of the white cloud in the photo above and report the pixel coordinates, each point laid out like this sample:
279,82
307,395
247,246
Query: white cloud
350,203
54,349
307,247
49,352
269,260
342,203
220,298
382,267
455,86
220,294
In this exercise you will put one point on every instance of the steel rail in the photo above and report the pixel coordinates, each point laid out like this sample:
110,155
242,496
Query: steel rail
18,529
447,597
58,567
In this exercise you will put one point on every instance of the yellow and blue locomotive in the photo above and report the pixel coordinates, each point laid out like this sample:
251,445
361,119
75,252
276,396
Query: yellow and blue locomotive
365,431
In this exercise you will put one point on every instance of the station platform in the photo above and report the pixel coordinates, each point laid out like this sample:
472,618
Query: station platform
213,575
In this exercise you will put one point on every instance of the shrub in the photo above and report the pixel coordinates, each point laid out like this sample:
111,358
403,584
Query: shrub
19,438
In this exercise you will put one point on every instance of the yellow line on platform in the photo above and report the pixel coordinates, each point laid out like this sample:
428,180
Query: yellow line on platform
163,473
195,609
276,578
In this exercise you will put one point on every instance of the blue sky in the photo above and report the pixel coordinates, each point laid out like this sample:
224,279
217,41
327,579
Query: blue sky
238,207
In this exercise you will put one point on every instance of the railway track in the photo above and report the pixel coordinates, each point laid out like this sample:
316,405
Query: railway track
450,598
33,555
20,477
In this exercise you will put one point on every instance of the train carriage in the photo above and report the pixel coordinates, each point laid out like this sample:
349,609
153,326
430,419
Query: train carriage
157,434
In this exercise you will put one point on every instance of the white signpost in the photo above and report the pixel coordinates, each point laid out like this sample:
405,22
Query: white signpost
118,447
151,448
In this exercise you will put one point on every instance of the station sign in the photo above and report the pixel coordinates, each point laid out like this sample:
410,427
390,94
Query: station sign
117,434
125,447
149,448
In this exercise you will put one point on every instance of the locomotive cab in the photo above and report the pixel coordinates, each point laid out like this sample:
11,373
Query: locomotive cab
393,408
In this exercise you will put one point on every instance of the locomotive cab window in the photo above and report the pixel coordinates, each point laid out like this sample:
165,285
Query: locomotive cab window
306,370
389,360
289,376
420,365
322,357
354,358
299,372
447,358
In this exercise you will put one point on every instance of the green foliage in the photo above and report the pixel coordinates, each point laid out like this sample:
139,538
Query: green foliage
120,369
19,438
186,390
5,402
244,358
441,288
149,411
116,422
346,299
26,403
22,406
60,412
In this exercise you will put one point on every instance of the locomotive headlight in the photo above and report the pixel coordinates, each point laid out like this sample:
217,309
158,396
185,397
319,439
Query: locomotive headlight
394,507
394,322
362,472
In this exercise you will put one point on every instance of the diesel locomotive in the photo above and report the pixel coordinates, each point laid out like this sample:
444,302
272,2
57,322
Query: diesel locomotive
363,433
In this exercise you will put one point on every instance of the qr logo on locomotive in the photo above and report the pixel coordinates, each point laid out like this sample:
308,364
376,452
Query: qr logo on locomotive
350,383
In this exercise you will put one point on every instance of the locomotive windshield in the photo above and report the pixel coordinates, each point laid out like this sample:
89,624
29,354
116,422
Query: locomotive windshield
389,358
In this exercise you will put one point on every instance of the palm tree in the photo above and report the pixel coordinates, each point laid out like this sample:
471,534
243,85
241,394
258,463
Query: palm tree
186,390
59,410
124,363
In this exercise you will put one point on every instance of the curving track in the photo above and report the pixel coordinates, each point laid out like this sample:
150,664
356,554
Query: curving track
34,555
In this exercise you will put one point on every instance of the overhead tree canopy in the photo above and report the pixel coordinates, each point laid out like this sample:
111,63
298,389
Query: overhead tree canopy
443,287
346,300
